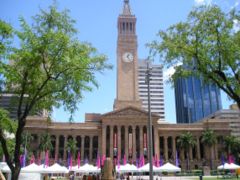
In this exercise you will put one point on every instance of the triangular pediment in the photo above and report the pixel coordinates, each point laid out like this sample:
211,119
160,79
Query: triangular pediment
129,111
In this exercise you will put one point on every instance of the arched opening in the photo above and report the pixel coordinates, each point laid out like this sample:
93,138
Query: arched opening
115,141
95,147
137,142
108,142
145,142
122,142
86,148
170,148
53,142
61,146
130,142
79,141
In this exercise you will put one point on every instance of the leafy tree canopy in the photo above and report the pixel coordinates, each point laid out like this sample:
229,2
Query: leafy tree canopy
209,137
205,45
50,67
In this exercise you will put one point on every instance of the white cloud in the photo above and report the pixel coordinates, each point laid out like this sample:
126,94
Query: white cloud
203,2
236,25
169,72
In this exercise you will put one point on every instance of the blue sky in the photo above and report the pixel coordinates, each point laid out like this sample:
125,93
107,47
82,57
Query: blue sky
96,21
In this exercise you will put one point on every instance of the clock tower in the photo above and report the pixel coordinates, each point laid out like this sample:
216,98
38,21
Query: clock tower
127,60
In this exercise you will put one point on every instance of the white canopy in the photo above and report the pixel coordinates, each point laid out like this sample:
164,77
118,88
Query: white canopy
229,166
86,168
4,167
55,168
32,168
145,168
127,168
168,167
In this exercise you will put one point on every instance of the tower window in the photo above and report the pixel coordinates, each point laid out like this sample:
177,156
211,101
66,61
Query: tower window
127,27
123,26
130,26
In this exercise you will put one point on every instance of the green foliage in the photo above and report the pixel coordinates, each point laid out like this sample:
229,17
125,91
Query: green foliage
45,142
8,128
72,146
186,140
51,67
5,35
209,137
6,124
205,45
232,144
26,141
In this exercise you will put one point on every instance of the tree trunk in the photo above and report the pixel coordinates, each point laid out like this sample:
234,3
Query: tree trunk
188,161
15,173
211,158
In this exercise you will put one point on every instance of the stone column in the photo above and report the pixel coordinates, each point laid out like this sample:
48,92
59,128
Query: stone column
216,151
165,148
82,147
198,149
111,142
126,142
56,148
99,144
104,140
156,143
174,147
141,140
38,143
190,153
134,143
119,142
64,149
91,148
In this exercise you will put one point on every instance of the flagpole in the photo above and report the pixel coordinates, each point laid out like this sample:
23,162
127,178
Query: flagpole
149,124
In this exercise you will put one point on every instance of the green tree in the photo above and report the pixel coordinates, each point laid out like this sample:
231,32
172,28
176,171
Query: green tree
209,138
72,147
229,142
207,46
186,141
51,67
45,142
8,128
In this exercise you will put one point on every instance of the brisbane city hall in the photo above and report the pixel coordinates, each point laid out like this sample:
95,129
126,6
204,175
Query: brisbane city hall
123,132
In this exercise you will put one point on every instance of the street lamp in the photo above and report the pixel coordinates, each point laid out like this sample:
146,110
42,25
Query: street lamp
148,74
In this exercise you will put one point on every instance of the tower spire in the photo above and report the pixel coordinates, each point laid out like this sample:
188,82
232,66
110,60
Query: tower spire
126,8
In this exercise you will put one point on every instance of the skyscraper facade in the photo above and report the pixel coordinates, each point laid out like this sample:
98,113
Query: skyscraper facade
156,88
195,99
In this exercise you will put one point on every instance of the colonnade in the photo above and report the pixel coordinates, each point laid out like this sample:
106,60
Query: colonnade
131,142
86,145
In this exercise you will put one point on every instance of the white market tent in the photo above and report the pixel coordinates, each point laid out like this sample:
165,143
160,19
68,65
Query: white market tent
145,168
86,168
4,167
168,167
127,168
228,166
32,168
55,169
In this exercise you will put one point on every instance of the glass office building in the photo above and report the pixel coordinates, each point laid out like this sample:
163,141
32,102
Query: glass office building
195,99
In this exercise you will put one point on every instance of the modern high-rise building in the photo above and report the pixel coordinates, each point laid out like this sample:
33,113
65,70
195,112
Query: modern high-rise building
9,103
156,88
195,99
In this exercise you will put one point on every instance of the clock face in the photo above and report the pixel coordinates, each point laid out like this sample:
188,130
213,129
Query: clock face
127,57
